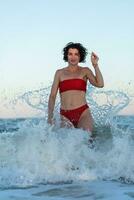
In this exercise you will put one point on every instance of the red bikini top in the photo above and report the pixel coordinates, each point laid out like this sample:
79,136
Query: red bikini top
72,84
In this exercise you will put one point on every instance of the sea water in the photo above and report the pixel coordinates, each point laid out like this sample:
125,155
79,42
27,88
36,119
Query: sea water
39,161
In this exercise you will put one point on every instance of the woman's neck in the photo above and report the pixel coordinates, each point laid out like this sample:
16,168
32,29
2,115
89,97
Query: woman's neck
73,68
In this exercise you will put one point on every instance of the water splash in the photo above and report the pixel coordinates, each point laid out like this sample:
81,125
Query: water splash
38,153
104,104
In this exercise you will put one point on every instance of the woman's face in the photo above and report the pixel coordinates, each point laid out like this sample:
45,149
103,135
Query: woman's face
73,56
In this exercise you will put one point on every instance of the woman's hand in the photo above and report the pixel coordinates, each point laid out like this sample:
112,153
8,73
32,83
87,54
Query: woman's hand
51,121
94,59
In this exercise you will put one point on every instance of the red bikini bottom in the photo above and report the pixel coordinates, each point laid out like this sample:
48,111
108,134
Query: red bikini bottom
74,115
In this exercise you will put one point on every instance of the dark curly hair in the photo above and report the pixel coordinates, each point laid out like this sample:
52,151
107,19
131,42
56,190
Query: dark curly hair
82,51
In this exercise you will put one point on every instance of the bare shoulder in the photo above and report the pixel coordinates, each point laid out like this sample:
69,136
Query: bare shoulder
58,72
61,70
86,70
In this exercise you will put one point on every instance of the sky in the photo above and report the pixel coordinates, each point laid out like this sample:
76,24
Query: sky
33,34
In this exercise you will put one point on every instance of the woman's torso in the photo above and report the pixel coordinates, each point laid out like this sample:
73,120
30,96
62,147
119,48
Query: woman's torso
73,98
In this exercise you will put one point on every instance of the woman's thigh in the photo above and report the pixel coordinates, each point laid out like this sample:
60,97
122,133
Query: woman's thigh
86,121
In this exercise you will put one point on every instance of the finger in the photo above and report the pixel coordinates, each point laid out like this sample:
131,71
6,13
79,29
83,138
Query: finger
94,55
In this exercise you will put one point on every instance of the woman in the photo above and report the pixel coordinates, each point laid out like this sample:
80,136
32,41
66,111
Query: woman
71,82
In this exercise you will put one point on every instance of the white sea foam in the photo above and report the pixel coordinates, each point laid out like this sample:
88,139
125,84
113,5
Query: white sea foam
38,153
